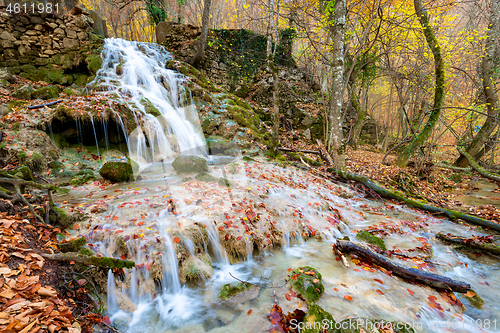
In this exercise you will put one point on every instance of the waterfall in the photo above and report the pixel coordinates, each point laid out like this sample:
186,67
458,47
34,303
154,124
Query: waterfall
95,136
112,300
167,123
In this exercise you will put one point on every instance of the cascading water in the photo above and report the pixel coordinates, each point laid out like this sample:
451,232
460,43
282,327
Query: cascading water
167,121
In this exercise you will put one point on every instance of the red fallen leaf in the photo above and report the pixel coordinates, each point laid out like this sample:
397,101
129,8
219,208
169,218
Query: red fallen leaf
348,297
249,312
268,235
106,320
140,223
288,298
118,231
123,257
357,270
239,238
379,281
380,292
76,226
336,289
135,236
289,269
179,224
295,276
221,228
126,238
108,216
177,240
227,237
432,298
115,217
411,292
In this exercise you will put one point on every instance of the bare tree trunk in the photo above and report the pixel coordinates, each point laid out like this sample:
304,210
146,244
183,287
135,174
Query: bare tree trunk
430,37
272,27
336,143
489,88
200,53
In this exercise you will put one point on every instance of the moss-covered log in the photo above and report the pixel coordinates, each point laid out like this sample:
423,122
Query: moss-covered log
480,170
408,273
89,260
416,204
473,243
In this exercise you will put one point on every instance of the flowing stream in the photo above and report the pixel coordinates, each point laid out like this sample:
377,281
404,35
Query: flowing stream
270,219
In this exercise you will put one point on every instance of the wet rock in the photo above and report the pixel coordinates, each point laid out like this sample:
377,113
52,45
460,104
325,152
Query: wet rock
82,177
196,268
49,92
205,177
230,290
23,92
316,318
370,239
306,282
117,171
186,164
61,217
225,182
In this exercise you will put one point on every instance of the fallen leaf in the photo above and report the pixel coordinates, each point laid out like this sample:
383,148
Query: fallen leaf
411,292
348,297
47,291
177,240
249,312
469,294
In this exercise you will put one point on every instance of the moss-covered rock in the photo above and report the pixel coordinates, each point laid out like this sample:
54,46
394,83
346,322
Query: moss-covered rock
94,63
318,320
475,300
306,282
73,245
63,218
82,177
205,177
186,164
23,92
225,182
369,238
49,92
117,171
230,290
23,172
196,268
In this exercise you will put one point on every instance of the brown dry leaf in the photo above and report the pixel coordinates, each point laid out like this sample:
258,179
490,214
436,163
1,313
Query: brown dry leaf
47,291
7,293
4,315
5,270
28,328
18,254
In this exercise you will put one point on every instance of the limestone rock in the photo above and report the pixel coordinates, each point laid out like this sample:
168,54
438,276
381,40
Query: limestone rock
23,92
117,171
6,75
49,92
186,164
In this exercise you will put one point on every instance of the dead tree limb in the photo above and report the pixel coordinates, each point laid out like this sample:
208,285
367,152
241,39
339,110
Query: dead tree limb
408,273
474,243
45,104
299,151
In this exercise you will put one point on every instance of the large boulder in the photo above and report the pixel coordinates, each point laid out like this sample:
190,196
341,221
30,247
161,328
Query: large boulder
6,75
117,171
186,164
23,92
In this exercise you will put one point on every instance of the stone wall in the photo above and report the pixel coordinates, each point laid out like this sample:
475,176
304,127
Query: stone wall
56,48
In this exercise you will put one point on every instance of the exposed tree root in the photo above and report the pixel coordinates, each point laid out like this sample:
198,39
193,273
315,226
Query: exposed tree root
474,243
408,273
452,167
477,167
90,260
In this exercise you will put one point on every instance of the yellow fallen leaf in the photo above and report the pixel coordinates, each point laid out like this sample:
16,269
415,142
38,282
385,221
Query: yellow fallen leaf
470,294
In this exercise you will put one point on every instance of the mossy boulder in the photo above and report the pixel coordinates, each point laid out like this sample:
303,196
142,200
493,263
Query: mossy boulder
22,172
369,238
94,63
318,320
307,283
73,245
63,218
49,92
117,171
205,177
82,177
187,164
6,75
230,290
23,92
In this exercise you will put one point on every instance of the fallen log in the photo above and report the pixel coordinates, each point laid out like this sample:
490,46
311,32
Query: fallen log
105,262
480,170
416,204
474,243
408,273
299,150
45,104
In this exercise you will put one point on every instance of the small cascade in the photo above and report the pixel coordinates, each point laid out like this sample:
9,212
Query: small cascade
112,299
106,140
95,136
170,282
219,252
167,122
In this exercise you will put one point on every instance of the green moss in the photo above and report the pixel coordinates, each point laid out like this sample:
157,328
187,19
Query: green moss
225,182
149,107
81,179
23,172
16,126
306,281
86,251
229,290
476,301
111,262
315,319
65,219
94,63
205,177
73,245
122,244
369,238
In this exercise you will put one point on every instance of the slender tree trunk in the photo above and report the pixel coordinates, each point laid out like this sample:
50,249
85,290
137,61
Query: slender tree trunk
489,88
438,89
200,53
336,142
274,71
